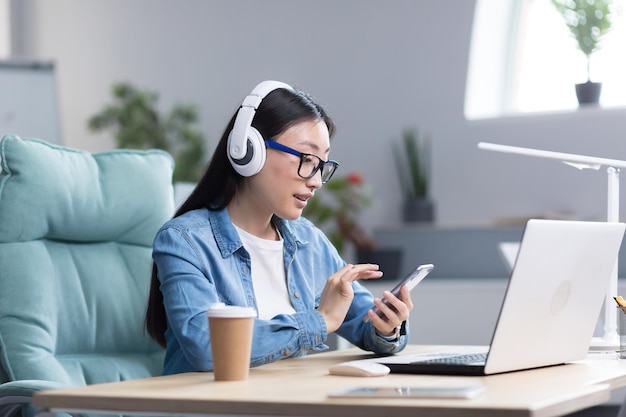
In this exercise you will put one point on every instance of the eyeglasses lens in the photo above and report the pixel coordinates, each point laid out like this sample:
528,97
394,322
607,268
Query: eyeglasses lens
310,164
328,170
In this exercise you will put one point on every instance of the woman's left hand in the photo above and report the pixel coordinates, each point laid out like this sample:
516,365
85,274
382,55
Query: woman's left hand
391,319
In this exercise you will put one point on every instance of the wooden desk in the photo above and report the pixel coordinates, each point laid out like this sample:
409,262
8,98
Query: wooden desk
299,387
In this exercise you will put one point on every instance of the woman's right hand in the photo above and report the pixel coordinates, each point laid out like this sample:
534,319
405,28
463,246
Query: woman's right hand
338,294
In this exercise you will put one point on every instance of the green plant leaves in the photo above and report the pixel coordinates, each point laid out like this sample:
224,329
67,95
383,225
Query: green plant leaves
336,208
412,160
137,124
588,22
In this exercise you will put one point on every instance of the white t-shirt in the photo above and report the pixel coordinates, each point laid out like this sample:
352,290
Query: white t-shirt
269,278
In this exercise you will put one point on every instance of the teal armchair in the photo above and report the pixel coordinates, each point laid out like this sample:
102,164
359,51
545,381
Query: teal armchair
76,231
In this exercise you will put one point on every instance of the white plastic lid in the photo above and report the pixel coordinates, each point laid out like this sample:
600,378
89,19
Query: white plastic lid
222,310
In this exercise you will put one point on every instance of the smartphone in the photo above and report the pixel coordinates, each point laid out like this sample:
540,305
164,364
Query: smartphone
411,281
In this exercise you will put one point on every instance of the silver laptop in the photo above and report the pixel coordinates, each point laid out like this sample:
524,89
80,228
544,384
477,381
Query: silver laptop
552,302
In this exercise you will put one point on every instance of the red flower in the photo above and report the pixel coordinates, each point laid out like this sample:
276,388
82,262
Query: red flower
354,178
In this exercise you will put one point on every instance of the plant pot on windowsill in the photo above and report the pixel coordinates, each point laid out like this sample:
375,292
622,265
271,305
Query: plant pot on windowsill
412,160
418,209
588,93
388,259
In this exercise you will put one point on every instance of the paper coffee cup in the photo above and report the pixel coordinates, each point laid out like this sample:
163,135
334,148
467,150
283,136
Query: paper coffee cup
230,329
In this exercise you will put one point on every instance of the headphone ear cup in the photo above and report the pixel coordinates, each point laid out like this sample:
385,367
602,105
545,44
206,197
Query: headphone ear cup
254,158
246,147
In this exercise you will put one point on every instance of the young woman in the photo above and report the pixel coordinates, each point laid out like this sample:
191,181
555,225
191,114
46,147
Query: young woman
239,239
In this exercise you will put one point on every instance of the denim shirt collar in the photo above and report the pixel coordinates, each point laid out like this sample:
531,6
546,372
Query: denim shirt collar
228,239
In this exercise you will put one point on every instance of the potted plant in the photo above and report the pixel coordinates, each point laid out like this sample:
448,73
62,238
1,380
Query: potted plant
138,124
588,21
336,208
412,157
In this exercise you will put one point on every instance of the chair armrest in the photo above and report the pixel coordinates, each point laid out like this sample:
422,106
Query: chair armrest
17,394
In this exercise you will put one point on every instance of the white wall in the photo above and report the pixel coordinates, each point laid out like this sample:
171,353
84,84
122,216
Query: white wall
377,66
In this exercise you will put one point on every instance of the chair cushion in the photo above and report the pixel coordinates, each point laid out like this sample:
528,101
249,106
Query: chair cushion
76,232
52,192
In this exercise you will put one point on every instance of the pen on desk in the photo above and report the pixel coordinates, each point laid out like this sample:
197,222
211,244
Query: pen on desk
621,302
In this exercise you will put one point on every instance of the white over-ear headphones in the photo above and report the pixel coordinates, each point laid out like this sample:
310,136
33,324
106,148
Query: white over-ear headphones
246,147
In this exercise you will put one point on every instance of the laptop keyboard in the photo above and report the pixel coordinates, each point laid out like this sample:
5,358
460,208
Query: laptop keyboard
470,358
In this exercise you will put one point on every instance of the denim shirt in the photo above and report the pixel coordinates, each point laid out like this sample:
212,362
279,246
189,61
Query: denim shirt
201,260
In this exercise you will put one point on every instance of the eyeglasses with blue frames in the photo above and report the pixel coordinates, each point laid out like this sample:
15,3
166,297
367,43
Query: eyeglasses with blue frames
309,163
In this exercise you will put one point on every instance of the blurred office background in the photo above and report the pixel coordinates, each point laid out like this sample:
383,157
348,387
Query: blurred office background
378,67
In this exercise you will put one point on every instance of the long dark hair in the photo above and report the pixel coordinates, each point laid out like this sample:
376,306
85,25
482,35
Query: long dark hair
278,111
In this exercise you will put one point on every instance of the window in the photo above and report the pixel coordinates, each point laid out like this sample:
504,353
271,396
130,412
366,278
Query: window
536,60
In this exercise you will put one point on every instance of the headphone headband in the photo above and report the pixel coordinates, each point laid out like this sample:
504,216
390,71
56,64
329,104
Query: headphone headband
261,90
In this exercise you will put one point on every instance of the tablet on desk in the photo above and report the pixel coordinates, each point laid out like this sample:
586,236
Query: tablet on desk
460,392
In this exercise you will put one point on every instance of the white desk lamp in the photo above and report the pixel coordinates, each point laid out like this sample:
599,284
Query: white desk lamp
610,340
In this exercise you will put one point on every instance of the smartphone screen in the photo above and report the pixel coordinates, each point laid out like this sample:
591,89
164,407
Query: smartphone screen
411,281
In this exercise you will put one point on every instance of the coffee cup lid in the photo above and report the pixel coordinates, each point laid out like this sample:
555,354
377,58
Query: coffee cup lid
222,310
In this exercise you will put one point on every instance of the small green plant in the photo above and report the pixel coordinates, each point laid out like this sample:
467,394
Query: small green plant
137,124
588,21
336,207
412,158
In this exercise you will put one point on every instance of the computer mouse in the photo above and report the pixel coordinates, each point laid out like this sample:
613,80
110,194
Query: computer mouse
359,368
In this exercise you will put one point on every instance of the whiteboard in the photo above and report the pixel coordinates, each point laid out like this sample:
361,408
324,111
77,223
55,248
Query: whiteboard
28,100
